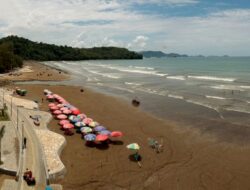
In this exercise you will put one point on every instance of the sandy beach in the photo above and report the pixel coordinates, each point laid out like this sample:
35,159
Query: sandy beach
190,159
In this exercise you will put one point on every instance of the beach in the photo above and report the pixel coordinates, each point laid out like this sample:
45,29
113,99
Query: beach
191,158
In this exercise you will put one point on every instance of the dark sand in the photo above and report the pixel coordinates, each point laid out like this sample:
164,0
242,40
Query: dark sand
192,159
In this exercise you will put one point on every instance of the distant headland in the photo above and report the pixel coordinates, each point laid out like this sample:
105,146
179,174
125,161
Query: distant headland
159,54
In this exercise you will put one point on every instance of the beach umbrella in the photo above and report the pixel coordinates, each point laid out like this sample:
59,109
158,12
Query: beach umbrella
79,124
99,128
75,111
133,146
87,120
64,121
61,116
86,130
72,117
54,108
93,124
101,138
104,132
63,108
52,104
68,126
90,137
57,112
116,134
60,105
82,115
66,111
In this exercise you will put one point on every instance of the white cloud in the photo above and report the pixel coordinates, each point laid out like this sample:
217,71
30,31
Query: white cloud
115,24
138,43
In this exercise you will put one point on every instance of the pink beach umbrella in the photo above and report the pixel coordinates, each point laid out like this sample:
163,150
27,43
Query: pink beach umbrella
87,120
61,116
67,111
68,126
63,108
64,121
57,112
52,104
116,134
60,105
54,108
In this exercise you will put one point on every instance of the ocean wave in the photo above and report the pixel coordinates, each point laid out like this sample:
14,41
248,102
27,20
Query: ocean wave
133,83
176,77
237,110
146,68
216,97
175,96
202,104
102,74
245,87
212,78
227,87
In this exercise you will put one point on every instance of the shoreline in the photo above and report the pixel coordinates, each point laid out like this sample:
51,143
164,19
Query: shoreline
191,159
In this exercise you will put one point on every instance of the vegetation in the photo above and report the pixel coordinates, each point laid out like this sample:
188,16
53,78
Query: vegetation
2,131
8,60
159,54
29,50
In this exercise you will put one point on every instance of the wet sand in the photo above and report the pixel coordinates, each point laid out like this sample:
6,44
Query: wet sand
192,158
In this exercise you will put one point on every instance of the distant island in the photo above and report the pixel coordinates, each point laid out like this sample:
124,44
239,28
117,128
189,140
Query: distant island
14,49
160,54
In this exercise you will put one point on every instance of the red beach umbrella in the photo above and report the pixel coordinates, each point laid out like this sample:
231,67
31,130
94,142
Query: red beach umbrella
57,112
62,116
116,134
50,97
64,121
75,111
54,108
67,111
68,126
101,138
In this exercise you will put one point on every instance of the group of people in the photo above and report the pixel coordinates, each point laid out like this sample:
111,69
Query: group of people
155,145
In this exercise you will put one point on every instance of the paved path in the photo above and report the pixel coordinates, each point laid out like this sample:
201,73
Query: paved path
32,155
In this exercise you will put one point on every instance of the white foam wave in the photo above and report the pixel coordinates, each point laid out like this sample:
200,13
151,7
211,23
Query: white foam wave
133,83
201,104
147,68
227,87
212,78
175,96
216,97
245,87
237,110
102,74
177,77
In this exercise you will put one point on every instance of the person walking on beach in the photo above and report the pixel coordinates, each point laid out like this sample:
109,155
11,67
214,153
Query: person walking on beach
24,142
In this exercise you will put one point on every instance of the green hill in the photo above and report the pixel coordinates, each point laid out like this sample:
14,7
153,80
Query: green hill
30,50
14,49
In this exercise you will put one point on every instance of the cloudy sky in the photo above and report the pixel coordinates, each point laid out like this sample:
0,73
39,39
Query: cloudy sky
209,27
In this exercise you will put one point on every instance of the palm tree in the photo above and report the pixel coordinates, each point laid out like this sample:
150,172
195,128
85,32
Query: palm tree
2,131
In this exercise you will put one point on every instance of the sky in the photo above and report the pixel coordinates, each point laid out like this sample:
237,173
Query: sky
193,27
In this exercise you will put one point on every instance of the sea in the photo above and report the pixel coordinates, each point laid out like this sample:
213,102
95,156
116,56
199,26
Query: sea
211,94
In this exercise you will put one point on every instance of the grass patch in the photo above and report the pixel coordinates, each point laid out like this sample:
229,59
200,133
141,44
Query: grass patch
4,116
